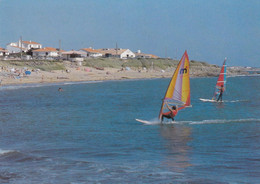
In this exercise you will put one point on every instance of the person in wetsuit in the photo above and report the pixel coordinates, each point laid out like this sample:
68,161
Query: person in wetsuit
220,93
171,113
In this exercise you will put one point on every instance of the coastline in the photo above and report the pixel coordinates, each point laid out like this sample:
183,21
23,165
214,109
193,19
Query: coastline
14,74
72,78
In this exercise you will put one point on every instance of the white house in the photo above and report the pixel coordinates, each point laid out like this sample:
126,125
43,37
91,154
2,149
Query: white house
3,52
46,52
31,45
16,47
120,53
91,52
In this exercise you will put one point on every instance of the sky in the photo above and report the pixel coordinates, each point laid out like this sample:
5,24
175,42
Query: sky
209,30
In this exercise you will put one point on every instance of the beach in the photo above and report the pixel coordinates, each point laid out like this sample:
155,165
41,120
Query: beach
71,71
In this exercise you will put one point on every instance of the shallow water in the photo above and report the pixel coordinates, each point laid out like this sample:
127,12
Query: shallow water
88,134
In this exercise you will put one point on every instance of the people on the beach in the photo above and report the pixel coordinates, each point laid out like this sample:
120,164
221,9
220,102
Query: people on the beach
220,93
171,113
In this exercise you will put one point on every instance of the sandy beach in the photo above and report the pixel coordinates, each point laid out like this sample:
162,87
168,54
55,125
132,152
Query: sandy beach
11,74
78,74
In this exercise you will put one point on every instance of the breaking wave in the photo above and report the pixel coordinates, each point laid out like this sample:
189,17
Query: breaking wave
5,152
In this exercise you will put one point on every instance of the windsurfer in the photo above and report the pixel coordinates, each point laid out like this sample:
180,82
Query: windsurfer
171,113
220,93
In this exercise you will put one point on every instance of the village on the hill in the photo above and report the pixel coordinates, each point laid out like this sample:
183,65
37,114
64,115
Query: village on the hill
32,50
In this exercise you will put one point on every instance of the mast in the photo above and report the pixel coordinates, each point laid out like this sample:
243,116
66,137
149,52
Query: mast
21,45
59,50
116,49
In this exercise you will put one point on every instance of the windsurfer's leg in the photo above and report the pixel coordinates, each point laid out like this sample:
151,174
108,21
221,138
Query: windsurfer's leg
218,98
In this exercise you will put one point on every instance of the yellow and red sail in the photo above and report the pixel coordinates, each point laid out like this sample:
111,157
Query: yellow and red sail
178,91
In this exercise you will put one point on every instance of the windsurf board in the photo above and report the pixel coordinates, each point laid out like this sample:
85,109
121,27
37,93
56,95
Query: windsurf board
143,121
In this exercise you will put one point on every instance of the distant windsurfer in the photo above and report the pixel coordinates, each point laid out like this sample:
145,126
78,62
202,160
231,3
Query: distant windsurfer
220,93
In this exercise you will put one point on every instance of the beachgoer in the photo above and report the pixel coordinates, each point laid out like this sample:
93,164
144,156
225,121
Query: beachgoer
60,89
220,93
171,113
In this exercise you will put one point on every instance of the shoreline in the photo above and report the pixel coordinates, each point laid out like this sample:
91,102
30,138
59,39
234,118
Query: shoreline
31,81
16,73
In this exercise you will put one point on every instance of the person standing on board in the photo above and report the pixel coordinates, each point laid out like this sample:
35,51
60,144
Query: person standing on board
220,93
171,113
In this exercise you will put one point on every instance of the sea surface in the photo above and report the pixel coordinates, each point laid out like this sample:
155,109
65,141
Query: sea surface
88,133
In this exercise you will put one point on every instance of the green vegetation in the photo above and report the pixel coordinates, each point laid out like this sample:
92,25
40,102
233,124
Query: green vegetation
132,63
44,65
135,64
103,62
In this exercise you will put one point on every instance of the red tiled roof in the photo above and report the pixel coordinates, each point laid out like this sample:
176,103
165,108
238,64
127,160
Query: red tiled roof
90,50
30,42
3,50
47,49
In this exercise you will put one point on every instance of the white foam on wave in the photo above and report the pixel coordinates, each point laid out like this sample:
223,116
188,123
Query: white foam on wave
212,121
37,85
219,121
224,101
3,152
81,82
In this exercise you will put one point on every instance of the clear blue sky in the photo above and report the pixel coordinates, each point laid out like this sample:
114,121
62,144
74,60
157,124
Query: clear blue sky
209,30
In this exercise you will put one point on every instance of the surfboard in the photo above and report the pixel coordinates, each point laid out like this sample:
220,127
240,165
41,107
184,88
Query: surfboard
143,121
207,100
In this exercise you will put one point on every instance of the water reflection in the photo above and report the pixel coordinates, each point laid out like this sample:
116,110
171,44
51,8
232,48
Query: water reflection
220,105
177,158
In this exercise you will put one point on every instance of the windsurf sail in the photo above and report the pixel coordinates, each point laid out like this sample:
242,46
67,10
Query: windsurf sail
221,80
178,91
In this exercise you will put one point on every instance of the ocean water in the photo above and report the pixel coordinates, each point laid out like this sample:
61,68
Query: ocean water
88,133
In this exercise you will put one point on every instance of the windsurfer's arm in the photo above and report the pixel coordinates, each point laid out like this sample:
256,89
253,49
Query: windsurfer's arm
168,106
180,108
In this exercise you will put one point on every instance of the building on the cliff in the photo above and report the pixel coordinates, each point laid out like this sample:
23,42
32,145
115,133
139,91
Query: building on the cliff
49,52
24,46
139,54
91,52
3,52
73,55
119,53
